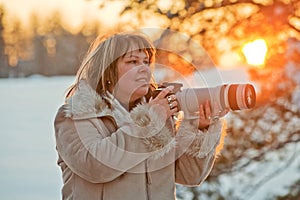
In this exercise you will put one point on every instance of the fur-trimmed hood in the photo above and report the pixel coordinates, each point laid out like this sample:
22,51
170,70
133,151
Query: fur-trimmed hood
86,103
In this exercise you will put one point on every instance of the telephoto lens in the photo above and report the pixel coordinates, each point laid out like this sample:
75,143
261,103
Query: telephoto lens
239,96
227,96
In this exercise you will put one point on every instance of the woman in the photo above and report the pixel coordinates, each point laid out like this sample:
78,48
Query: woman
114,141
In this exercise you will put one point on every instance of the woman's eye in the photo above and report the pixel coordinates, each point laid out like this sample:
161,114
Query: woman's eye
133,62
136,62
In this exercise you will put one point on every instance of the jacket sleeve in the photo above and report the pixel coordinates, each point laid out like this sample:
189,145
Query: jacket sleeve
196,151
97,158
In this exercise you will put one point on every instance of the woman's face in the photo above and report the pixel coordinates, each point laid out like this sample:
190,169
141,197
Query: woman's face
134,76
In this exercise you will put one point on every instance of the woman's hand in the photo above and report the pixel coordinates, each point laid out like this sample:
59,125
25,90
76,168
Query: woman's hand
208,115
166,102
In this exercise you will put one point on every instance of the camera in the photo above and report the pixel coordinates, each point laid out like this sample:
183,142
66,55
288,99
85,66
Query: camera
232,96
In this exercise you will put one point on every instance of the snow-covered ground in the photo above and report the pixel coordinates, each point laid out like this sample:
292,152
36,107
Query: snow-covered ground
27,147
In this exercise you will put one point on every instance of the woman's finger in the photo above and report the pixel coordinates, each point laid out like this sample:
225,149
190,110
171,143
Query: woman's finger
207,110
165,92
201,112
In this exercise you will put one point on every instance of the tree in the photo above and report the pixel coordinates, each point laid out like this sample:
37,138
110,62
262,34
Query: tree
47,46
212,22
3,64
1,32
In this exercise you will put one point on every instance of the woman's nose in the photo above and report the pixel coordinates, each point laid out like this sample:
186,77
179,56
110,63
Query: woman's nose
144,67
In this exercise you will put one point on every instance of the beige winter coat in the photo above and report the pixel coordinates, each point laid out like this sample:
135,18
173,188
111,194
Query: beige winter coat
109,153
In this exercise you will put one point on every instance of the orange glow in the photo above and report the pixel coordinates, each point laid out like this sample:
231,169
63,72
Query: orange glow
255,52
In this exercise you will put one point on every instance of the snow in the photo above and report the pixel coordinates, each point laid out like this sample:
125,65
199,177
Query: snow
28,157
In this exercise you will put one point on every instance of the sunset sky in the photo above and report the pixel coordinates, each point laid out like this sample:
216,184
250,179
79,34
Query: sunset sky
73,11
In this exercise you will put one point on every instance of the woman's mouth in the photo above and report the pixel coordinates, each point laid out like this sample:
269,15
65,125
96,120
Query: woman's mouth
143,80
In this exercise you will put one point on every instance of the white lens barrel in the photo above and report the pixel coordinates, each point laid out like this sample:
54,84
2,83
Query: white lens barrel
234,97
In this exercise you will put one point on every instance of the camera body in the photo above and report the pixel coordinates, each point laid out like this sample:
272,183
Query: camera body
227,96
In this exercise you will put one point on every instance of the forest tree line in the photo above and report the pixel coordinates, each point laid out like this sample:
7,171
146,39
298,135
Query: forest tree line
46,47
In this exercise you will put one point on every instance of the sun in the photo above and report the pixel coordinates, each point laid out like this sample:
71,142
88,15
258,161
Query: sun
255,52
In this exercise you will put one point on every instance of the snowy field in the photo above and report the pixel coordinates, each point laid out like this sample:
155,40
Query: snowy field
27,146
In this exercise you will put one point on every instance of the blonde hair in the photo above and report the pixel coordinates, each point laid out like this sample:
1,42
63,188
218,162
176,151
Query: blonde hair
99,68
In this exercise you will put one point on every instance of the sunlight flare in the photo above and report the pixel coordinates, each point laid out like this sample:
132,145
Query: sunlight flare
255,52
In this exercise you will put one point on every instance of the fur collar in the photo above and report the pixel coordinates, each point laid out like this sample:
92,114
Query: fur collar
86,103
